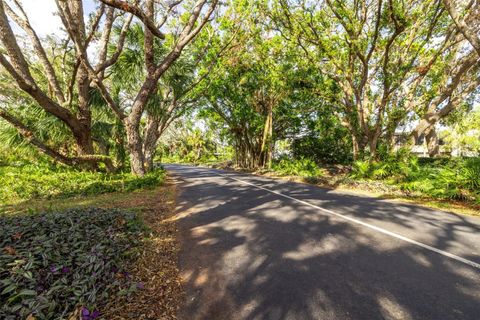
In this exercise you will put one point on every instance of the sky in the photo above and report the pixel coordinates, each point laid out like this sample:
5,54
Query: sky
43,18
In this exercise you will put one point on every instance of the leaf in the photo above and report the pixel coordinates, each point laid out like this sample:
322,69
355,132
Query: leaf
61,251
17,236
27,292
10,250
9,289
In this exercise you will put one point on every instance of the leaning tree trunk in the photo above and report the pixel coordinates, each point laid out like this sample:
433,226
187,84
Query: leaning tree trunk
132,125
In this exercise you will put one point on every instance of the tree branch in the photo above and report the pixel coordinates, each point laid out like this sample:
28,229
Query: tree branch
136,11
470,35
24,23
28,135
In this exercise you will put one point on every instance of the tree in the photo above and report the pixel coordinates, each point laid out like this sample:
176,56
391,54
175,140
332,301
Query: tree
372,50
67,100
447,84
249,86
183,20
463,135
181,36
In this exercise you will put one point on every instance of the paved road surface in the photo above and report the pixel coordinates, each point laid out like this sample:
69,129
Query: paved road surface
258,248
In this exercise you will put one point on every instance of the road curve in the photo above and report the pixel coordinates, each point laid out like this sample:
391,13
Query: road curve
258,248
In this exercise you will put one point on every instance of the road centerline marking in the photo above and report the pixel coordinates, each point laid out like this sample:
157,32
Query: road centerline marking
359,222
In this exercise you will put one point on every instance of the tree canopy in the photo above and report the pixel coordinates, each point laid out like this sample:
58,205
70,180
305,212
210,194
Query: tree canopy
339,80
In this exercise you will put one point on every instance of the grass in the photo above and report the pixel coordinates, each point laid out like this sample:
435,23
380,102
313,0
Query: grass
23,182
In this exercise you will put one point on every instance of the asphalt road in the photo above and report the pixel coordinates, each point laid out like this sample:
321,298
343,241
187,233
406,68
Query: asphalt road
259,248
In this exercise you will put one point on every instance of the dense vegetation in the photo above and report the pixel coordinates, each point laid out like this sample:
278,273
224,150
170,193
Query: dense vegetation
457,179
59,264
23,181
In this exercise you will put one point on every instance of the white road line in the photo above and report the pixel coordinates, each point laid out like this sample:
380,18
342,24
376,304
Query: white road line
378,229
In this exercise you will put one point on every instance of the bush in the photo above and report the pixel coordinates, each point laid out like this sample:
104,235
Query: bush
470,174
303,167
21,182
456,178
55,264
397,165
333,150
361,170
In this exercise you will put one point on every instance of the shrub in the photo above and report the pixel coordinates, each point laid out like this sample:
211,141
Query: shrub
301,167
361,170
399,165
470,174
455,178
53,264
334,149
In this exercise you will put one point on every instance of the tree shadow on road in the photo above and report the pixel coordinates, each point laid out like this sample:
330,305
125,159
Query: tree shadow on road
248,254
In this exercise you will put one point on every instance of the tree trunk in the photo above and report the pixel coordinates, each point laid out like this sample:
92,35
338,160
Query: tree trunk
149,157
135,148
150,142
373,144
355,148
84,141
432,142
265,158
83,134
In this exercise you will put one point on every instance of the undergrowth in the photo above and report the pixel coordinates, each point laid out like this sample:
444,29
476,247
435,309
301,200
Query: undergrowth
305,168
457,179
24,181
65,265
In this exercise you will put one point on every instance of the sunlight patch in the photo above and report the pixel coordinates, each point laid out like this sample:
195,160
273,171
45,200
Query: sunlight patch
312,249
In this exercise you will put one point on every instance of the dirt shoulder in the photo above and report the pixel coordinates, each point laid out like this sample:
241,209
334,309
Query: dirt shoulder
156,268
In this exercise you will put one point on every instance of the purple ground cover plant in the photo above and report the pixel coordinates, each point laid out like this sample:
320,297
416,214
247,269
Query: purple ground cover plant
52,264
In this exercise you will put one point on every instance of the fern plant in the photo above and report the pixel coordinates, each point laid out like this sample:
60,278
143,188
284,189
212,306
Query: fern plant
361,170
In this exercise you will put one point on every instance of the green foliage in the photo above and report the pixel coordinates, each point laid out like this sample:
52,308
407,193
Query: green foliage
185,143
399,164
52,264
361,170
252,91
301,167
464,132
21,181
326,141
456,179
470,173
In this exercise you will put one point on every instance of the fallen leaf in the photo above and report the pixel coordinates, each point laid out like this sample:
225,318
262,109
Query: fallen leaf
17,236
10,250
